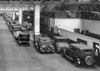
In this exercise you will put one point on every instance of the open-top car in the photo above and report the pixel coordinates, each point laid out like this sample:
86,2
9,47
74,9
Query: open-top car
59,43
15,28
80,54
44,45
11,22
11,26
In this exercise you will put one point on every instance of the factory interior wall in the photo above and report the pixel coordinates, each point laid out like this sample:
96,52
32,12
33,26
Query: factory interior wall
82,24
91,25
52,22
69,24
71,35
75,36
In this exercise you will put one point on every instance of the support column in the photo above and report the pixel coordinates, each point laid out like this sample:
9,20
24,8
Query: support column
13,15
29,8
36,21
20,15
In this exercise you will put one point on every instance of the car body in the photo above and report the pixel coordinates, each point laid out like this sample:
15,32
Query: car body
80,54
15,28
8,19
59,43
44,45
11,22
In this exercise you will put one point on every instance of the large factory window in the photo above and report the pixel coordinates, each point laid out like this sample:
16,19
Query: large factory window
77,30
81,41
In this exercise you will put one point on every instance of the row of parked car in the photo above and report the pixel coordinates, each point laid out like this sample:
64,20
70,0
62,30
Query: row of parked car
80,54
20,33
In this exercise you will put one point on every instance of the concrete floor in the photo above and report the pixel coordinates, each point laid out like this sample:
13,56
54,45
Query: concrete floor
18,58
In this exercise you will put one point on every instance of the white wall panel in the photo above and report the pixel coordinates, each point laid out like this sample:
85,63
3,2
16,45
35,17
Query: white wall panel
74,37
52,22
92,26
69,24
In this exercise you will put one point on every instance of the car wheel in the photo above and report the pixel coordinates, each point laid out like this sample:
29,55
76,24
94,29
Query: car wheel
36,45
48,49
89,60
40,50
28,44
63,54
19,42
76,63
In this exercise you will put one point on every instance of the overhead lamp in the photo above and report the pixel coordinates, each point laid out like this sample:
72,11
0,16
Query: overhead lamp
28,17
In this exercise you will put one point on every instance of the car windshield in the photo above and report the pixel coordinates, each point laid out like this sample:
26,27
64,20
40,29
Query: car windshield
61,40
87,51
16,28
24,36
62,44
45,42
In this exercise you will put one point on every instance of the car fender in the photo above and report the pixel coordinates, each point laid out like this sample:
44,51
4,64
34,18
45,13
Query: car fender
78,59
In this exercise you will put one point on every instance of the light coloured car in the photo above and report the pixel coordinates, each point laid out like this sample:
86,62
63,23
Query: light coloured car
44,45
60,42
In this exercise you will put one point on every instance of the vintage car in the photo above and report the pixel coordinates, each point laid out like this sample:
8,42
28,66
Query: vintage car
15,28
59,43
11,22
12,25
23,38
80,54
44,45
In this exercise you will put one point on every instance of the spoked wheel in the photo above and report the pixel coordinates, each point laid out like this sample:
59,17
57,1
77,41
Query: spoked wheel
19,42
36,44
63,54
48,49
28,44
76,63
89,61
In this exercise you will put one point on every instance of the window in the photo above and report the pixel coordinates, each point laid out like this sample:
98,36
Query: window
87,51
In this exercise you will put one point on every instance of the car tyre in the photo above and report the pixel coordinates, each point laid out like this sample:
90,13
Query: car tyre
40,51
76,63
28,44
36,45
19,42
63,55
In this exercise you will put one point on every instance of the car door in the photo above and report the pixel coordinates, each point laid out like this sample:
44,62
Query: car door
69,51
73,52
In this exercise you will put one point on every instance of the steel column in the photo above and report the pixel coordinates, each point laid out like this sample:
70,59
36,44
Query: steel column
36,21
20,15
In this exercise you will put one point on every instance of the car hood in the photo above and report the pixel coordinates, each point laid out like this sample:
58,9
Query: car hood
46,43
62,44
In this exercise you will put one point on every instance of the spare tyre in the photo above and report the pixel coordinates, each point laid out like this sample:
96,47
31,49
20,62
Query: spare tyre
89,60
48,49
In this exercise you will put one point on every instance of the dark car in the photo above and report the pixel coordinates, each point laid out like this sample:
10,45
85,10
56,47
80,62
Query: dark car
80,54
44,45
23,38
59,43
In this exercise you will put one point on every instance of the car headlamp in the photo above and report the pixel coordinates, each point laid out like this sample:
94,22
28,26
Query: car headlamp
79,62
41,48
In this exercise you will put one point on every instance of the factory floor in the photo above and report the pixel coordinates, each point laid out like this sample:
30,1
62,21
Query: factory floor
19,58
